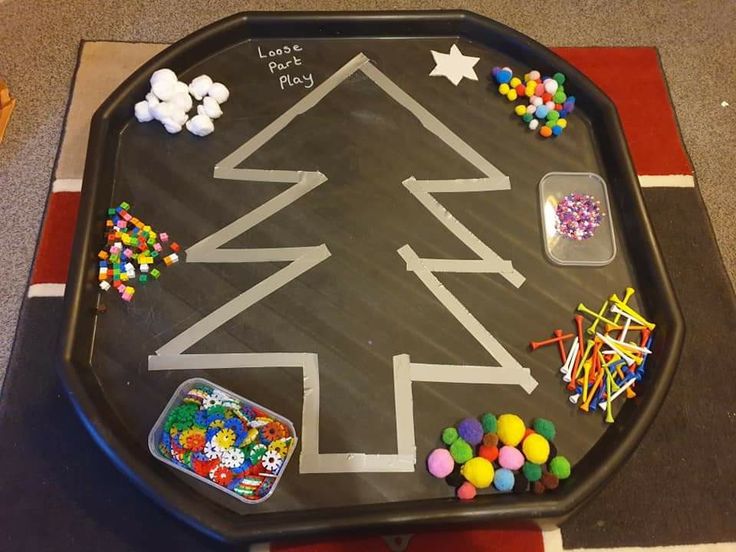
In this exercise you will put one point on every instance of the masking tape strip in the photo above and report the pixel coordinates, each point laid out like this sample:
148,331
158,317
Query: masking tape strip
246,299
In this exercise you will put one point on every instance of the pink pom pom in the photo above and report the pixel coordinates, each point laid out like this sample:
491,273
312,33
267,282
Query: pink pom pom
440,463
466,491
510,458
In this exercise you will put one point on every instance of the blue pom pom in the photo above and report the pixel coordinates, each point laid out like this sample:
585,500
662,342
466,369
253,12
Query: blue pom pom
571,99
504,76
563,114
541,112
503,480
556,131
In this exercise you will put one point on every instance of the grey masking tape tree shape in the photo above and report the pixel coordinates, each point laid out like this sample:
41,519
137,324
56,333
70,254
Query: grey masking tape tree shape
171,355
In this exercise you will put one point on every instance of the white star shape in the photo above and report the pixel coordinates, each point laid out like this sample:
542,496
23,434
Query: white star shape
454,65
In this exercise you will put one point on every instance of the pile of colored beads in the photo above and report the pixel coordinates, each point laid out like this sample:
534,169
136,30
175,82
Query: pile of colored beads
229,443
606,359
548,106
131,242
577,216
499,452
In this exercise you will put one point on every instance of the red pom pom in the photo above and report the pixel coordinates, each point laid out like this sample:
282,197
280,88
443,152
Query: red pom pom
490,453
521,90
546,97
558,107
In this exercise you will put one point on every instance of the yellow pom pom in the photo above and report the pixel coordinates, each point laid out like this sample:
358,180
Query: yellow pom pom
503,88
478,471
536,448
520,110
512,95
516,81
562,122
511,429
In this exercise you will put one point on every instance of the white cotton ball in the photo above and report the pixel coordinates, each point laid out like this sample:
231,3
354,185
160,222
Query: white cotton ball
179,117
218,92
152,99
163,75
201,110
161,111
163,90
181,88
142,112
182,102
200,125
171,126
199,86
211,108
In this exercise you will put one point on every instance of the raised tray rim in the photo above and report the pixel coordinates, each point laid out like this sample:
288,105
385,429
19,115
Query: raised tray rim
225,525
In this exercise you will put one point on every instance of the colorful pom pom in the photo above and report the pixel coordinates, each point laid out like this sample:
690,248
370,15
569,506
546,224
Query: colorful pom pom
510,429
490,439
479,472
470,430
533,472
489,422
559,466
489,453
461,451
536,449
466,491
440,463
510,458
449,435
503,480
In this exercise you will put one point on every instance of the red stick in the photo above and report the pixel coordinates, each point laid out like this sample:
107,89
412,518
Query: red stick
537,344
561,346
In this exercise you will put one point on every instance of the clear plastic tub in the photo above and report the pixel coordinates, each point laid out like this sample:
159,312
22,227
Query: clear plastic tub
268,479
597,250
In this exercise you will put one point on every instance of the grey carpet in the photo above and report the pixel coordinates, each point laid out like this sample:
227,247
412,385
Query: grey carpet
38,52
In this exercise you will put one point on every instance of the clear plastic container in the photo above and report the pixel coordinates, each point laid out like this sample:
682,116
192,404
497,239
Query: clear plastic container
597,250
156,434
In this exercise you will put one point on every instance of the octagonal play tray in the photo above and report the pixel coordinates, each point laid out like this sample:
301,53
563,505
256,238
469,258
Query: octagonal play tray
328,278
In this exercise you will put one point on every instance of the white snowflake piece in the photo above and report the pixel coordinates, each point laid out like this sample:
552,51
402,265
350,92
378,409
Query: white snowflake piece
272,461
212,451
232,457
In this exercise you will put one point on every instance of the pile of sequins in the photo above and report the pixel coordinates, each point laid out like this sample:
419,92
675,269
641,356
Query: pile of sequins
234,445
578,216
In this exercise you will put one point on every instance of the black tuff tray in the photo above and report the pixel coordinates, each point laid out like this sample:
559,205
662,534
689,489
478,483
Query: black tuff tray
361,306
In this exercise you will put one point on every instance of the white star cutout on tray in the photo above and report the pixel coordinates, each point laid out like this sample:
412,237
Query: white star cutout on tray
454,65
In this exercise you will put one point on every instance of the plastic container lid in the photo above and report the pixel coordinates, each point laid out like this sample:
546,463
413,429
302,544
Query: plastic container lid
154,437
597,250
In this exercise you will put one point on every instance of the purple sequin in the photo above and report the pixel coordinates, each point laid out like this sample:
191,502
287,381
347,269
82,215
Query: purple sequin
578,216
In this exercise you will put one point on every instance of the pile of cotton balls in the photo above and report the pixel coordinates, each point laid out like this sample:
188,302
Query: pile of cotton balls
170,102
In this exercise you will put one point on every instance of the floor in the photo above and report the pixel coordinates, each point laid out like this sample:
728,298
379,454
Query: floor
40,46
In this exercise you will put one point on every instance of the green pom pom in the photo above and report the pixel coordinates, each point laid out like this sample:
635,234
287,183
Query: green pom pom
545,428
488,420
533,472
559,77
552,115
559,97
560,466
461,451
449,435
526,117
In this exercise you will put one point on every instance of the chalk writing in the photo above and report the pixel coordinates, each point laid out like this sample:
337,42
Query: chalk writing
284,63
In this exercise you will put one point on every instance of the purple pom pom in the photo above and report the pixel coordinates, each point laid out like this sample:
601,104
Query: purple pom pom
471,431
